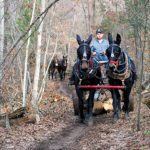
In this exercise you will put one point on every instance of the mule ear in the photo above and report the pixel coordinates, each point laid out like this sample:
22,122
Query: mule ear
88,41
110,39
118,39
78,39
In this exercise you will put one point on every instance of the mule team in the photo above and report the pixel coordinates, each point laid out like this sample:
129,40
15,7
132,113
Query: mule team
58,67
86,71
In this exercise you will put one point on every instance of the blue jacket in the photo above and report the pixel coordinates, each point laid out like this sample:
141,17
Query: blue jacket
99,47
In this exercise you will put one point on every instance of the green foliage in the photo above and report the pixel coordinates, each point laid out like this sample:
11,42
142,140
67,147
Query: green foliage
25,16
137,11
23,22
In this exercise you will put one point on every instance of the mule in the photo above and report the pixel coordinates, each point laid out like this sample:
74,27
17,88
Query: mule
120,72
85,72
62,66
53,68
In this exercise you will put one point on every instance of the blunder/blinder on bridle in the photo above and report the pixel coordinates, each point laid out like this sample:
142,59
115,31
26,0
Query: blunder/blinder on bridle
113,62
84,53
112,52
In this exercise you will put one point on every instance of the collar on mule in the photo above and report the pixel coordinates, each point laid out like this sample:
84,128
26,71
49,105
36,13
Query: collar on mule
89,73
121,76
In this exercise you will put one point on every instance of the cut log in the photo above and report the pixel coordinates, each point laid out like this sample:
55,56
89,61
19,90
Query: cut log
146,84
13,115
18,113
26,119
108,105
146,94
98,107
101,107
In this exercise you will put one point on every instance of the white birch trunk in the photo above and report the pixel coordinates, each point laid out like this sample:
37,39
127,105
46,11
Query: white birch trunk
45,75
37,67
1,35
48,41
26,59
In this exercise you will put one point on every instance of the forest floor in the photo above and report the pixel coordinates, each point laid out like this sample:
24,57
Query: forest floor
59,129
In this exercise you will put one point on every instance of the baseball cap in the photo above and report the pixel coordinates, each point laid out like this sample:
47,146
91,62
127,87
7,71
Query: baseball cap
99,31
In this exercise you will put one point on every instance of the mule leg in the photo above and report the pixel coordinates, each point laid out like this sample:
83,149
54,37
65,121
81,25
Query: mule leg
118,102
81,104
60,75
52,74
89,114
55,74
64,75
114,97
49,74
126,95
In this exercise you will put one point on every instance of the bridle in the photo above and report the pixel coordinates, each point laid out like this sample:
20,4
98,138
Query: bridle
114,63
84,45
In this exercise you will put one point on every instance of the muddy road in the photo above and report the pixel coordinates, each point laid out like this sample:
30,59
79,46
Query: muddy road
59,129
103,135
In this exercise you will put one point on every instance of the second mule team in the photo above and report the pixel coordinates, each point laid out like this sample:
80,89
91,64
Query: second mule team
87,70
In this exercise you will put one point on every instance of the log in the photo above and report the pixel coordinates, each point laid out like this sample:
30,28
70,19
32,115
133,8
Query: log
101,107
18,113
108,106
146,84
26,119
146,94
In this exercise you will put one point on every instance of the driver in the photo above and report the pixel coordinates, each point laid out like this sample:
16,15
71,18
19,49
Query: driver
99,46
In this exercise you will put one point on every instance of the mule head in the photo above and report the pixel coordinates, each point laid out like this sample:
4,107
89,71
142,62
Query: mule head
114,51
84,51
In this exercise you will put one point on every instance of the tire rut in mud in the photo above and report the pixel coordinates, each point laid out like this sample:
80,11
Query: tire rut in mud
63,140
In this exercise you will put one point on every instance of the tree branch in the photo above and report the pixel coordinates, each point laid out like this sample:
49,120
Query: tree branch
29,28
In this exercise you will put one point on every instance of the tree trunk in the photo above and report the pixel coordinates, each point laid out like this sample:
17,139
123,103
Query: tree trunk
45,75
37,67
26,60
142,65
1,36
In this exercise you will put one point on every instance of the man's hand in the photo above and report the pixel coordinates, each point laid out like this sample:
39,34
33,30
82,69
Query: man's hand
94,53
103,53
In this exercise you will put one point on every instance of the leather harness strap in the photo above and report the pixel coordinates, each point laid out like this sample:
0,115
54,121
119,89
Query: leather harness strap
121,76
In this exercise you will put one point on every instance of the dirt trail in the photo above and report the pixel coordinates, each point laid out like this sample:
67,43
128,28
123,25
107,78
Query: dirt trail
59,129
102,136
64,139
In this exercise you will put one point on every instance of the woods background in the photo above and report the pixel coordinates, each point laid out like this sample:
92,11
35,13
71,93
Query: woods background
33,31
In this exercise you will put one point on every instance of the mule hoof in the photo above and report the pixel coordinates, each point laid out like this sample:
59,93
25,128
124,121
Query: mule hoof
126,116
80,120
119,113
89,121
115,118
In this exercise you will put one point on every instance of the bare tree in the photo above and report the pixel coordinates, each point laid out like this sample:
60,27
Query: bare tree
26,58
37,67
1,34
140,24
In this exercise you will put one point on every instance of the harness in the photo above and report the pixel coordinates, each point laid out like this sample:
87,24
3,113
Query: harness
90,73
125,74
